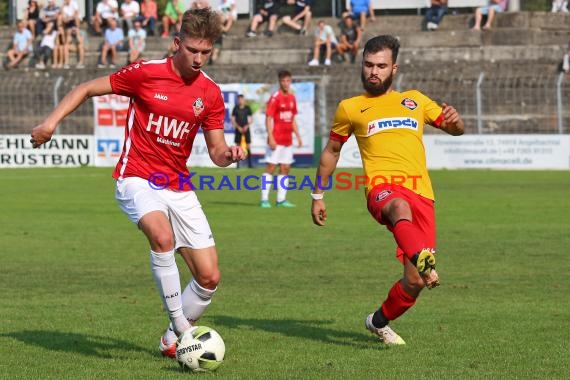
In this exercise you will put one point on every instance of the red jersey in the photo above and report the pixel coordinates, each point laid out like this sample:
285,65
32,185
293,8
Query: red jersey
164,115
282,108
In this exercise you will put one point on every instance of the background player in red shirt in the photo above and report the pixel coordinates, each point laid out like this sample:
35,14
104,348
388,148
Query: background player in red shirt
170,99
280,124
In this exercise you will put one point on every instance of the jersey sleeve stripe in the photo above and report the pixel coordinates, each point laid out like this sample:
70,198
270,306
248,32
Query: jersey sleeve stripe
336,137
437,123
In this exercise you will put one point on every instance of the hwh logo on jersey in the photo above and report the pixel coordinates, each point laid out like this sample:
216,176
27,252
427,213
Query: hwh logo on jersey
380,125
166,127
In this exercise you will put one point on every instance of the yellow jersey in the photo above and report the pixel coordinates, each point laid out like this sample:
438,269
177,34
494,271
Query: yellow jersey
389,130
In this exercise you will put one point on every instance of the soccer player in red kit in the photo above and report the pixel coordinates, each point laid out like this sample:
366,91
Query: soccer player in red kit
388,127
280,124
170,99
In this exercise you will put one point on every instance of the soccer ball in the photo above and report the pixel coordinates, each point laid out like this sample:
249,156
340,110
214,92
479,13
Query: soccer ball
200,349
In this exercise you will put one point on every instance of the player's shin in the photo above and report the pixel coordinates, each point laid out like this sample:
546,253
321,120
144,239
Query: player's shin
195,300
396,304
167,278
409,237
282,186
266,183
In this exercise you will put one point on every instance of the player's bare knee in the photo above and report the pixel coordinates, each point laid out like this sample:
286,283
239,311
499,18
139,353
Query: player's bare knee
162,242
397,209
413,285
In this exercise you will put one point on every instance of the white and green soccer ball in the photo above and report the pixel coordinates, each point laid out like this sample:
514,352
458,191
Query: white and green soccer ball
200,349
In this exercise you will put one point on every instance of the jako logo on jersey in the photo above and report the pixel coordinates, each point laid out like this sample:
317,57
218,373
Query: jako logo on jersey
163,126
391,123
160,96
198,106
409,103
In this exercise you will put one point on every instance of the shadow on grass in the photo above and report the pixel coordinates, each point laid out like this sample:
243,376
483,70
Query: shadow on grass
306,329
232,203
89,345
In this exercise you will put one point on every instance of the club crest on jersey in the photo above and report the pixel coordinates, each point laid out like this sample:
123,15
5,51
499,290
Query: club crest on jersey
383,195
409,103
198,106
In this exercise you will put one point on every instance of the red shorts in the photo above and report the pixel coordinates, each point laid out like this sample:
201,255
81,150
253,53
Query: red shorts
423,214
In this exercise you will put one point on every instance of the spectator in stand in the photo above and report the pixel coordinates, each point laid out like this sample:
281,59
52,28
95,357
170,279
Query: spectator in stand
130,10
105,11
559,6
45,51
49,16
114,40
360,10
75,41
32,17
228,9
22,45
302,12
70,20
324,37
137,40
267,11
495,6
172,16
434,14
350,38
149,15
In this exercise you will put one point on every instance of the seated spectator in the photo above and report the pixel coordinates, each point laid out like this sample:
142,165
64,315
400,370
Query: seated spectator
114,40
137,41
350,38
105,11
70,18
22,45
267,11
360,10
59,50
172,16
130,10
75,41
324,37
495,6
228,10
559,6
435,13
46,48
302,12
32,17
49,16
149,15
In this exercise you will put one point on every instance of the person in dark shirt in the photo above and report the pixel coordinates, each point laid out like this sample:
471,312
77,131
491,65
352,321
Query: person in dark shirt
241,120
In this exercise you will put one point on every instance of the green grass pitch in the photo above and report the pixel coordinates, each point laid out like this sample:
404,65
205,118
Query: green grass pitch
78,299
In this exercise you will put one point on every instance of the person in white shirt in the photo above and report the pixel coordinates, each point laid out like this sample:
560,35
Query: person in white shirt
137,41
130,10
324,36
106,9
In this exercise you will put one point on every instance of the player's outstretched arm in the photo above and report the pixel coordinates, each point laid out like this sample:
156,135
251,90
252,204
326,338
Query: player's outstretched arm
452,122
327,166
42,133
220,153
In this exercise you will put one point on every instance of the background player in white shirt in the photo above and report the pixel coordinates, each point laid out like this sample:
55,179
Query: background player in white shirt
170,100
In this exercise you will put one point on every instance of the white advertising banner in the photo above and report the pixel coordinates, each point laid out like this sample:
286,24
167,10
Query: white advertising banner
498,151
61,151
529,152
111,113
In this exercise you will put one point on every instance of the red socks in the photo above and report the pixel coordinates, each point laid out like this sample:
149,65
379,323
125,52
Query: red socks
397,303
408,237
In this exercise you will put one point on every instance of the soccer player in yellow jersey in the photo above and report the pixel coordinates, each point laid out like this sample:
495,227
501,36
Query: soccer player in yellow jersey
388,126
